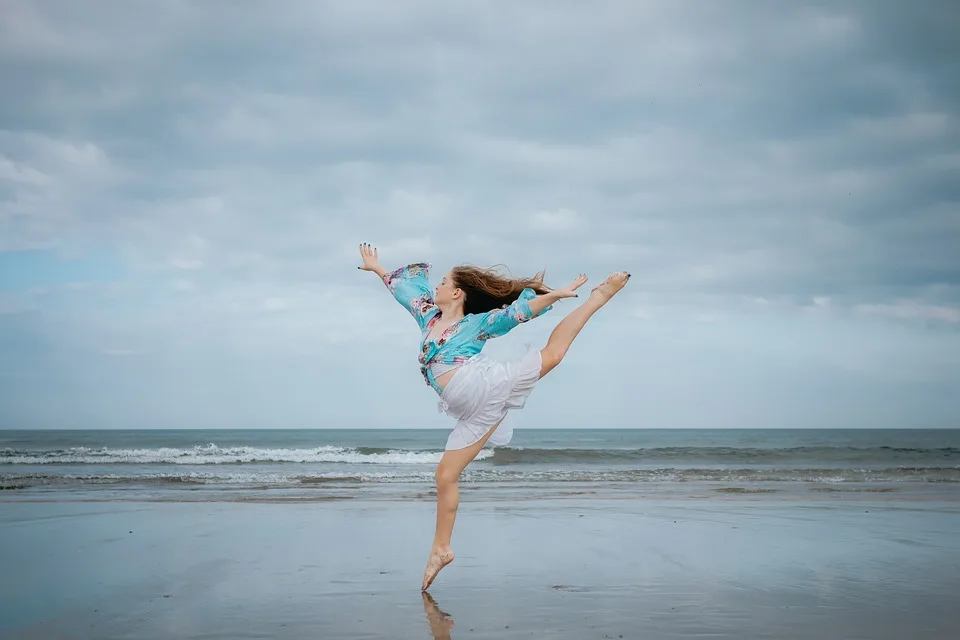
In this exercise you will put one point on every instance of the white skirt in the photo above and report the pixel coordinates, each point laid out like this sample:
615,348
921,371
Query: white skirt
482,391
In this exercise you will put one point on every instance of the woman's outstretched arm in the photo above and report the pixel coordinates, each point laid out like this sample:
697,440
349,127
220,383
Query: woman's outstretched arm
544,301
410,285
525,308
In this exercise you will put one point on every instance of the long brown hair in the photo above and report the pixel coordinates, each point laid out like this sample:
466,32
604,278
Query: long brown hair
487,290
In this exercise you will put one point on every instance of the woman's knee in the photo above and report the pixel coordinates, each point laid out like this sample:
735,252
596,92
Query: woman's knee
550,357
446,475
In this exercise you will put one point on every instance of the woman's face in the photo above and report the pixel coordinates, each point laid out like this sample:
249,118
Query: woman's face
447,291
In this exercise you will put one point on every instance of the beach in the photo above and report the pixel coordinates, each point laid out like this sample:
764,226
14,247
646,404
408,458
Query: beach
684,275
743,566
585,533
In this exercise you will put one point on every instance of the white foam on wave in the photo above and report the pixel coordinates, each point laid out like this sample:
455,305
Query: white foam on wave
212,454
223,477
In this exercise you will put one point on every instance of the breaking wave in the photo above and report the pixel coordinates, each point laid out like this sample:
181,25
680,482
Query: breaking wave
213,454
691,456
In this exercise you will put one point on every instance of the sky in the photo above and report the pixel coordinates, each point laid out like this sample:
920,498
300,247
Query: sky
183,187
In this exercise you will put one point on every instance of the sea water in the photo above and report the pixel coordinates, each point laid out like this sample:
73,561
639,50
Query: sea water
279,464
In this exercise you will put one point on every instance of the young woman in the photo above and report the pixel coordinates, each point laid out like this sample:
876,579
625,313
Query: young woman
469,307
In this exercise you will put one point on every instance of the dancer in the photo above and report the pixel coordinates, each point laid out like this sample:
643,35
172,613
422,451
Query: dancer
468,307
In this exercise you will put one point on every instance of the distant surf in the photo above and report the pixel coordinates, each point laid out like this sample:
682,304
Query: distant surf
214,454
354,463
939,457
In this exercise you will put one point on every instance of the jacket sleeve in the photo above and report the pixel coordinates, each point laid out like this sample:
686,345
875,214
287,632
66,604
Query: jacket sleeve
410,285
500,321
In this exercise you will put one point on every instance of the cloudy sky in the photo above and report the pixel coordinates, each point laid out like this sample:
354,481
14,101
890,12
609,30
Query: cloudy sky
183,187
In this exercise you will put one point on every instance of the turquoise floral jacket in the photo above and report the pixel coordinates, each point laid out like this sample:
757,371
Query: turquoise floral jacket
463,339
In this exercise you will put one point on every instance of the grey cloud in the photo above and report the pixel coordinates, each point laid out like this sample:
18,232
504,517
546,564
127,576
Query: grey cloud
751,164
629,116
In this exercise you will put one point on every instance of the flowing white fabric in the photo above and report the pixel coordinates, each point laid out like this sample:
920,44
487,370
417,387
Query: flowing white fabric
482,391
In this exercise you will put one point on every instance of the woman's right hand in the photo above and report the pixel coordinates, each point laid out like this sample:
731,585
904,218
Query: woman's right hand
370,257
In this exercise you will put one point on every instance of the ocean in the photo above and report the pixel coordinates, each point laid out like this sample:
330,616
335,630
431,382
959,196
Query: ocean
276,464
585,533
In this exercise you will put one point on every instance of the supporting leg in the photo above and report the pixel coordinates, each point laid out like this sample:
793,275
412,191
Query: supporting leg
448,500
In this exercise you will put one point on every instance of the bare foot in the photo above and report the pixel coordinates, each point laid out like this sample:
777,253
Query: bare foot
436,562
610,286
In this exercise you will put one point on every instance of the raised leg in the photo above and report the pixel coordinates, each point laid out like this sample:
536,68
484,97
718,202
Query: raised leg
448,473
563,334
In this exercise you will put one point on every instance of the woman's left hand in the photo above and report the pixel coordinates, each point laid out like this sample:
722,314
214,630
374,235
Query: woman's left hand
570,291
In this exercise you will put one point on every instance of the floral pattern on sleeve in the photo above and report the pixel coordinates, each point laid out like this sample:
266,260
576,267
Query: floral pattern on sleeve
410,286
500,321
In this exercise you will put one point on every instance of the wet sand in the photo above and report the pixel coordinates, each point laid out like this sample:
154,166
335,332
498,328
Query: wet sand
574,568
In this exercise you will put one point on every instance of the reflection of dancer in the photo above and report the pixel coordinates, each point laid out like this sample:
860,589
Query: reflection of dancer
469,307
440,621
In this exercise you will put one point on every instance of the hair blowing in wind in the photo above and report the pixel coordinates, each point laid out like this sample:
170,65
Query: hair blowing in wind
487,290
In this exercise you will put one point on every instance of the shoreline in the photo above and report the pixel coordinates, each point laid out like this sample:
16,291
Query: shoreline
479,492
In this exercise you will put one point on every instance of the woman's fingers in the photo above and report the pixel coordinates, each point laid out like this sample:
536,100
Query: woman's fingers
579,281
